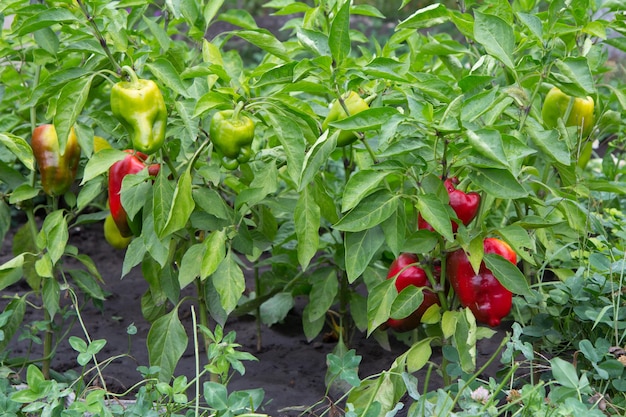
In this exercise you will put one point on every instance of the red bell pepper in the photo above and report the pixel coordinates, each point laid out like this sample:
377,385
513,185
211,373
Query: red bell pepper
465,205
406,272
481,292
131,164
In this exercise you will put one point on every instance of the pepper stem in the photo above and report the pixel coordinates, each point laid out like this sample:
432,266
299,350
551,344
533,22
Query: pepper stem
131,74
237,110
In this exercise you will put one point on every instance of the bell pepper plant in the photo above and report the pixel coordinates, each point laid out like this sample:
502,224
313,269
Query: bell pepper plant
138,104
481,291
57,170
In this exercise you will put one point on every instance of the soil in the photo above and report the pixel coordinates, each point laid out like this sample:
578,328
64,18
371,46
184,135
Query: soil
289,369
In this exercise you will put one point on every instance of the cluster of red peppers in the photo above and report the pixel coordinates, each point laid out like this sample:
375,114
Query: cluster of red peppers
480,291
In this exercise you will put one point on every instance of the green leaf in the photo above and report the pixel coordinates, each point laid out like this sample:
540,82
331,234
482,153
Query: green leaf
435,212
210,10
276,308
51,296
488,143
181,208
56,234
346,366
293,143
373,210
191,264
496,36
165,72
379,304
100,162
167,341
87,284
214,254
465,340
578,75
314,41
407,301
360,250
266,41
44,19
368,119
432,15
418,355
307,219
238,17
70,104
216,395
498,182
339,36
564,373
324,289
533,23
316,158
549,143
508,274
359,185
229,283
20,148
17,309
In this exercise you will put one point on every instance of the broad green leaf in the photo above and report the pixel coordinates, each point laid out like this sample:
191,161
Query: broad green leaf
339,36
17,308
229,283
216,395
549,143
496,36
465,340
579,76
87,284
135,189
533,23
23,193
314,41
191,264
371,211
407,301
70,104
324,288
159,33
422,241
316,158
46,18
488,143
266,41
210,10
307,219
379,302
181,208
292,140
435,212
165,72
508,274
432,15
360,250
167,341
51,296
238,17
564,373
215,252
11,176
368,119
20,148
100,162
276,308
419,355
498,182
56,234
478,104
520,241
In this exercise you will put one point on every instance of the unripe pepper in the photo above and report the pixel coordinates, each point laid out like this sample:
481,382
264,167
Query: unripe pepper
489,300
556,105
406,272
138,104
232,134
465,205
131,164
355,104
57,170
113,236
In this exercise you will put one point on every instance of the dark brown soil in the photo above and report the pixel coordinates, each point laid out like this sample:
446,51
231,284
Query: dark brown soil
289,369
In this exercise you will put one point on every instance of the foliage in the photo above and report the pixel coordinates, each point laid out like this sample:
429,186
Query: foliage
453,91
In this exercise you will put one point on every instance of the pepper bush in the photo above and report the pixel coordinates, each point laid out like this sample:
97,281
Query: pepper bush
451,91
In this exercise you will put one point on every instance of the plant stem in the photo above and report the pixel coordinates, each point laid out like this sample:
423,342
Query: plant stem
47,345
204,320
259,291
